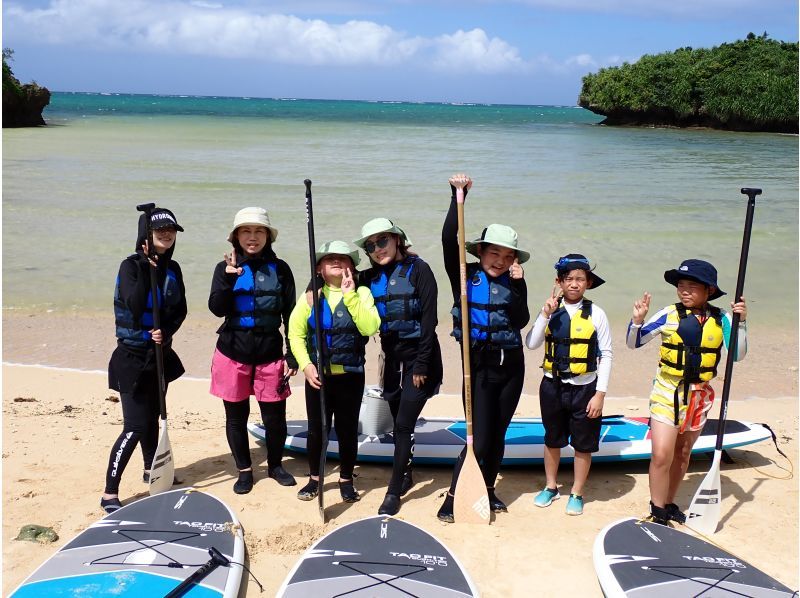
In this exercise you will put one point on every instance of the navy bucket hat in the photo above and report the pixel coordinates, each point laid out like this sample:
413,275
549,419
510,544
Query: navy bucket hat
576,261
697,270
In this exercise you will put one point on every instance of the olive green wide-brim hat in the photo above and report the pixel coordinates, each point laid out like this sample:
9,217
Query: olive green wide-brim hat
502,235
254,217
337,248
381,225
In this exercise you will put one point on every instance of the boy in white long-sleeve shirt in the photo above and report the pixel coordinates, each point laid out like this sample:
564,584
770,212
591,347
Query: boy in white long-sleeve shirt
577,367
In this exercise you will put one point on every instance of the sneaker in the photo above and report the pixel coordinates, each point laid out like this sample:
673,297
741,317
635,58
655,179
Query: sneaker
309,491
445,513
546,497
408,482
280,475
245,482
497,505
575,505
348,491
675,514
390,505
110,505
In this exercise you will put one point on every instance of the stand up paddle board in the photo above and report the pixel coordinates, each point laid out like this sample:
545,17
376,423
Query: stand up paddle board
439,441
634,558
147,548
378,556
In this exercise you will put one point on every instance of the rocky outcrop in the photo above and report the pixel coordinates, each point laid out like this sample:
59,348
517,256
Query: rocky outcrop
23,104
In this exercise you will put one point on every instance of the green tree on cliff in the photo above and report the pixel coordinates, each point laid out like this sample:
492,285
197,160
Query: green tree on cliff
749,84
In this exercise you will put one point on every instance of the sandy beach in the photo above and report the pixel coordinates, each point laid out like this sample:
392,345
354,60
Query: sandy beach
59,424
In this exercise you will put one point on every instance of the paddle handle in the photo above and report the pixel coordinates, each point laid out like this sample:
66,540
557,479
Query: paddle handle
217,559
465,324
733,341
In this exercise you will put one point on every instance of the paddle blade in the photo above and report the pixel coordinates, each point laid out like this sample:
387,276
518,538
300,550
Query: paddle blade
162,473
704,512
471,503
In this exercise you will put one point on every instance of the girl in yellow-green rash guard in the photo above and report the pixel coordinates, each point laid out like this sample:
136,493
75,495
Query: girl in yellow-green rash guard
348,317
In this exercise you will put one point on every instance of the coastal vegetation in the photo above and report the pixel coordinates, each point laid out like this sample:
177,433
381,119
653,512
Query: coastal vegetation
747,85
22,104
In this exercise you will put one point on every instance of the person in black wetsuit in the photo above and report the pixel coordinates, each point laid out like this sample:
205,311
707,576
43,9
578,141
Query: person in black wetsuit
498,306
405,293
254,291
132,367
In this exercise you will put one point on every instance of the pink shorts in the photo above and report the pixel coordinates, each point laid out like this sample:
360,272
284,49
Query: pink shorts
234,381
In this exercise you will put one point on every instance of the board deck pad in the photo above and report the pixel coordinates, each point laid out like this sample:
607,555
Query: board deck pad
634,558
378,556
438,441
134,551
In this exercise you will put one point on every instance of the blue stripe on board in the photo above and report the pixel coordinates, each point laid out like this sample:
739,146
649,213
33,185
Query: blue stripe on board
111,583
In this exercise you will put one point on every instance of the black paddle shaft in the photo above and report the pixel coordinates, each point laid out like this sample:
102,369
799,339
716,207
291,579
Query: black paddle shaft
217,559
317,302
148,208
733,341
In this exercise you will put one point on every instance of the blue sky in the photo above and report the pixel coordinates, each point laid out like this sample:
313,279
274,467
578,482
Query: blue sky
517,52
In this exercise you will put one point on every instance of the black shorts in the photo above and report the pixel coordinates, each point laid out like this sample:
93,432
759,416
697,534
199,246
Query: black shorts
564,416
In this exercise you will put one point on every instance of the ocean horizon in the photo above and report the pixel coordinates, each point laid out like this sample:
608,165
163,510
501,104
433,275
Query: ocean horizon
636,201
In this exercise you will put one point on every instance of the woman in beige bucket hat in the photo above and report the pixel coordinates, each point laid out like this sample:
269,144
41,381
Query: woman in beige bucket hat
254,291
405,293
498,306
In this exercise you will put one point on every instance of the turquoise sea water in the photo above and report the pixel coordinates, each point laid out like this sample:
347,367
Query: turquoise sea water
636,201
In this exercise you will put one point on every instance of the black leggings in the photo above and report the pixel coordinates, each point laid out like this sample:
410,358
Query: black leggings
140,413
406,402
343,393
496,389
273,415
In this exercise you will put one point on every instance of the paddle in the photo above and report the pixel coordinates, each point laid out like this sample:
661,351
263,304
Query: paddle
217,560
471,502
162,471
703,513
312,252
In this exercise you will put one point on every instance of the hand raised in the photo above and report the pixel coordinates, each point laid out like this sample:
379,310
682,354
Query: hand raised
640,308
230,263
551,304
461,181
516,271
348,284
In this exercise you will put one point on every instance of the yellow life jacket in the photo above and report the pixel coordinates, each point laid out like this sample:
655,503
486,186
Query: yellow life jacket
693,350
570,343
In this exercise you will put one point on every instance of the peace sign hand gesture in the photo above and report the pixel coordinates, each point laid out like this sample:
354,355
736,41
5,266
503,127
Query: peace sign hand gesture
348,284
515,271
230,264
640,309
551,304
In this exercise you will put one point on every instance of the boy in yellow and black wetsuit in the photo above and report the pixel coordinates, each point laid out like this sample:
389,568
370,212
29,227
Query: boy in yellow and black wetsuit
577,367
692,335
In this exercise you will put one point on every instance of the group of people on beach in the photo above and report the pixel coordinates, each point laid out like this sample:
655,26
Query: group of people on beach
396,298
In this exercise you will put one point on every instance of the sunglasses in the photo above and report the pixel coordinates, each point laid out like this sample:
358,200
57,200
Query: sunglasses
381,243
283,384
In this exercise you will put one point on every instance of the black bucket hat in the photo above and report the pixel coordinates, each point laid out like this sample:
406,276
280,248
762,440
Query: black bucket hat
164,218
576,261
697,270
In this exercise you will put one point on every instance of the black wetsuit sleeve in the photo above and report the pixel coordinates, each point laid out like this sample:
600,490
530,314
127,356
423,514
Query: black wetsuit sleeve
518,311
173,318
134,284
220,299
450,248
426,288
289,298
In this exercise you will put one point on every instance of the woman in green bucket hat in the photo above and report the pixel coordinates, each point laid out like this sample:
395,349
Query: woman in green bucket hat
498,310
349,317
405,293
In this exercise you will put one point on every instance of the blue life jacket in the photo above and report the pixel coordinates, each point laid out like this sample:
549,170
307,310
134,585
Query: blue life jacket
344,344
136,333
258,299
397,301
489,301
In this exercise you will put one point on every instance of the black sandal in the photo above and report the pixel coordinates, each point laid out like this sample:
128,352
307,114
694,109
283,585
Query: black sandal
348,491
309,491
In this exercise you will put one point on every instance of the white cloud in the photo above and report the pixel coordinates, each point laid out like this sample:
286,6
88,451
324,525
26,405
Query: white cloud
208,28
716,9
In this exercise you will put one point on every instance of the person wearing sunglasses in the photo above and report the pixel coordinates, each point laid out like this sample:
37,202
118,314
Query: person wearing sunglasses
254,291
498,310
405,293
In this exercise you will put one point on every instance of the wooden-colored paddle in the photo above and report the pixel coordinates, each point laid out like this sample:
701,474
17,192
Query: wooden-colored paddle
471,503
